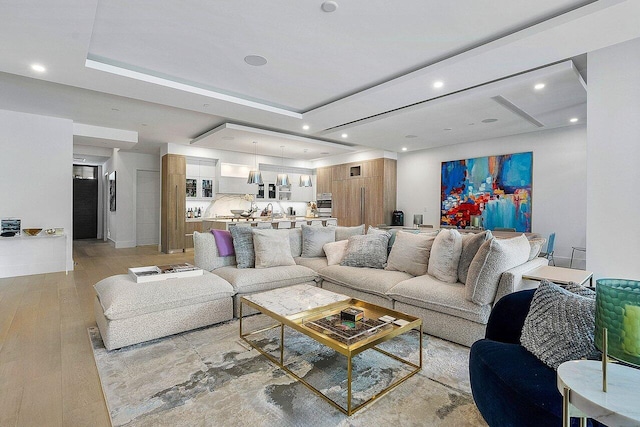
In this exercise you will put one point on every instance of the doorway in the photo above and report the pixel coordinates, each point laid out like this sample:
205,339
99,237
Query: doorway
85,202
147,207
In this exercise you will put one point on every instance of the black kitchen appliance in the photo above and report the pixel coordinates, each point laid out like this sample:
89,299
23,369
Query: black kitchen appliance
397,218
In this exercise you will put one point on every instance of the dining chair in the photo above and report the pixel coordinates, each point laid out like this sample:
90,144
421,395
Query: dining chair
549,252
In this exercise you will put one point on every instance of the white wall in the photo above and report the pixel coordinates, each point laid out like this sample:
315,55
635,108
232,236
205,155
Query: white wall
613,148
36,186
559,182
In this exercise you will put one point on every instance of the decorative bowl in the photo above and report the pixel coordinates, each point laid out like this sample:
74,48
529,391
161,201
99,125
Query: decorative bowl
50,231
32,231
237,212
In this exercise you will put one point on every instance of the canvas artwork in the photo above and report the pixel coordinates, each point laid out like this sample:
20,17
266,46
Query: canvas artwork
496,189
112,191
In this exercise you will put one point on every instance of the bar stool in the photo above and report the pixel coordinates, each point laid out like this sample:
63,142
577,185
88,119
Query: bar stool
573,249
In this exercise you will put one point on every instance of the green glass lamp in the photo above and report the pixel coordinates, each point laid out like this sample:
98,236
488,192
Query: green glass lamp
617,331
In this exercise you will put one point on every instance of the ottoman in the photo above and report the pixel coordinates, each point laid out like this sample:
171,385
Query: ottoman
129,313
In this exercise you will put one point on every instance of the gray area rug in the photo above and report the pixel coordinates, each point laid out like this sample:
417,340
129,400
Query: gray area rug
208,377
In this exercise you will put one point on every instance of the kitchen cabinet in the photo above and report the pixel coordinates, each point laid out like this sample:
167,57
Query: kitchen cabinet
324,180
200,176
189,227
173,203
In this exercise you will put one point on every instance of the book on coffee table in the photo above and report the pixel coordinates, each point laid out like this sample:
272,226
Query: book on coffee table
163,272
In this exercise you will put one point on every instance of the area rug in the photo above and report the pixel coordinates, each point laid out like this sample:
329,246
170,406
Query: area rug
209,377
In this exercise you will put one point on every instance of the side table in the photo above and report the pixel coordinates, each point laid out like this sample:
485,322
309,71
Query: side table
580,383
559,275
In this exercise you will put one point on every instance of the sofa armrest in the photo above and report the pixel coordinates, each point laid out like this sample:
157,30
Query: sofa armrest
507,317
511,280
206,255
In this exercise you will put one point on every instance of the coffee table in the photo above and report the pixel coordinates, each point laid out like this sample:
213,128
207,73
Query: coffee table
298,306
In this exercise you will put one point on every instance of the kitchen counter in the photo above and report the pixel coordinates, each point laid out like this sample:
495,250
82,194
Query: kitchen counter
194,219
225,223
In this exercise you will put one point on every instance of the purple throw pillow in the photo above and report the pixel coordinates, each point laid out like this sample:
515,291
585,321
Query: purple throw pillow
224,242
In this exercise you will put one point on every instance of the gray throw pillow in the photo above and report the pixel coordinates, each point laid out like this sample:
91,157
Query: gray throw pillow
243,246
410,253
314,238
369,250
343,233
391,233
445,256
494,257
560,325
536,245
295,240
470,244
272,248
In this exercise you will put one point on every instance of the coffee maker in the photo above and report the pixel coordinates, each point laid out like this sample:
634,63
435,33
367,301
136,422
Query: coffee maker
397,218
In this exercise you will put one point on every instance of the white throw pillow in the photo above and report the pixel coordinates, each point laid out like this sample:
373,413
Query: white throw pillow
410,253
272,248
335,251
445,256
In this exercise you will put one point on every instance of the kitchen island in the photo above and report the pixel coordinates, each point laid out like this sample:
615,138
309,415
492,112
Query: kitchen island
275,222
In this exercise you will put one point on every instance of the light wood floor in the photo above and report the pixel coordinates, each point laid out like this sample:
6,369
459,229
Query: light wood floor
47,373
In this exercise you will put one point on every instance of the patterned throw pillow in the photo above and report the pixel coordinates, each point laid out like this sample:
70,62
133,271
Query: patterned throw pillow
369,250
243,246
560,324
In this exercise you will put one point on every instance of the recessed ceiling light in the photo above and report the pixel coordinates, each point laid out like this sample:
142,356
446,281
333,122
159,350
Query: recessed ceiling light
411,136
344,135
115,109
438,84
255,60
447,129
539,86
329,6
573,120
205,105
471,124
143,124
228,138
489,120
324,152
305,127
404,148
39,68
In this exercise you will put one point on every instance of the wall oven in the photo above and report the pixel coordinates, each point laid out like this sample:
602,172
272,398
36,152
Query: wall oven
323,202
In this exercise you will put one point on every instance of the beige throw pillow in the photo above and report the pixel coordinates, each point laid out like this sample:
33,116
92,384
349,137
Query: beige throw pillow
494,257
272,248
470,244
445,256
335,251
410,253
536,246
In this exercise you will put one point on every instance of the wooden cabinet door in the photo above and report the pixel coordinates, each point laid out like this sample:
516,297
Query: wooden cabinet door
373,202
176,205
324,180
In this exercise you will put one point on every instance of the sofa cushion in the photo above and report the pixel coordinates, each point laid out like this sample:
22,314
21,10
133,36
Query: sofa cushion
392,235
249,280
410,253
295,241
243,246
122,298
224,242
494,257
445,256
206,254
369,280
536,245
272,248
343,233
560,324
428,292
316,264
335,251
470,244
366,251
314,238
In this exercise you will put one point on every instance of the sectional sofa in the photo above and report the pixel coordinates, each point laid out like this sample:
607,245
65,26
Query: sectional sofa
416,279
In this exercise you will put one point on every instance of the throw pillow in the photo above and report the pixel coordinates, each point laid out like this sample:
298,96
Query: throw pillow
314,238
470,244
559,326
536,246
272,248
224,242
343,233
445,255
369,250
391,233
243,246
335,251
494,257
410,253
295,240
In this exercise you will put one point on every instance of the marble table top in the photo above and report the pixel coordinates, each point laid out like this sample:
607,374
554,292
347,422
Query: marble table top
619,406
294,299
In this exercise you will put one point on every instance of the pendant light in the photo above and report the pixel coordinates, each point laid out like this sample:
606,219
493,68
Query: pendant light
305,181
283,178
255,176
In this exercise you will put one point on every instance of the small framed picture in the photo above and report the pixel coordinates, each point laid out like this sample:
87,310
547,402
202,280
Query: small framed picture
10,225
112,191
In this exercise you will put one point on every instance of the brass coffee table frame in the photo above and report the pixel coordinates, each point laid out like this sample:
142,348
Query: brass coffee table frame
297,322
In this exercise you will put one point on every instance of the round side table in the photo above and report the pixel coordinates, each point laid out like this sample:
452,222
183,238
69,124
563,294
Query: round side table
580,383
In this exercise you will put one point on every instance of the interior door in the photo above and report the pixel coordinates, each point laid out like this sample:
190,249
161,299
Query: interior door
85,208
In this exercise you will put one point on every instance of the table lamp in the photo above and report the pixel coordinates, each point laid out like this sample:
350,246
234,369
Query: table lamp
617,331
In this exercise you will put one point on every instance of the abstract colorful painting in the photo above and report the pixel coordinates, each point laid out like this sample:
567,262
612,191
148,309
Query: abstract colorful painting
497,188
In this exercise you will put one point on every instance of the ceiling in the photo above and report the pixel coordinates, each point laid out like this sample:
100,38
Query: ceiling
173,71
